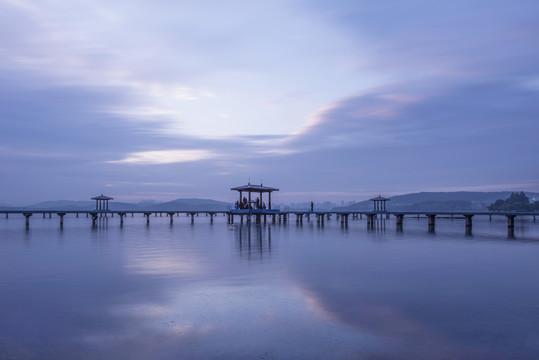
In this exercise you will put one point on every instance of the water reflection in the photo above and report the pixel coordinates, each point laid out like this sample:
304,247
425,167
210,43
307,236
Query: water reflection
328,292
253,240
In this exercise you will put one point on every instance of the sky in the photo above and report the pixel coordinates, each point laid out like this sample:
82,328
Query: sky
325,100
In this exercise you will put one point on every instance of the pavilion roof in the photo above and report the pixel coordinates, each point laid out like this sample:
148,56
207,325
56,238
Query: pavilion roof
254,188
379,198
102,197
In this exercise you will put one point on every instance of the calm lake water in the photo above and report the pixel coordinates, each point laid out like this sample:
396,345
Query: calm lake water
275,291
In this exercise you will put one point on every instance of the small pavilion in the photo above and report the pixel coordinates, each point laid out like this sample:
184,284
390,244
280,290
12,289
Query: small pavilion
102,202
379,203
248,203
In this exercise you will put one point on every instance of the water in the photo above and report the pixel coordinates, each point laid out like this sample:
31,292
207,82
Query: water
218,291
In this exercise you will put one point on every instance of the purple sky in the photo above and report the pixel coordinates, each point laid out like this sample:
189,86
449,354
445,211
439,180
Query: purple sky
326,100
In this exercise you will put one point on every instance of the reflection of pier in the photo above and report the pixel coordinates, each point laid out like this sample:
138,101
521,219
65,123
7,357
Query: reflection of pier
253,239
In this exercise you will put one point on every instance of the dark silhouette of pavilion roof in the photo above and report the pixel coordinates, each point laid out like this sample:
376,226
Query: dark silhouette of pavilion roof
102,197
379,198
254,188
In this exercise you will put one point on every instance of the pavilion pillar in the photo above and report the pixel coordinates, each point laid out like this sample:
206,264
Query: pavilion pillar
249,205
269,202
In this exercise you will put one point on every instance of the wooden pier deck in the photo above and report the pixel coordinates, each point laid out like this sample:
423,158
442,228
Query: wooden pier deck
281,216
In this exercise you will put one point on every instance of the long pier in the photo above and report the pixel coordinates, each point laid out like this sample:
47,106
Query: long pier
262,215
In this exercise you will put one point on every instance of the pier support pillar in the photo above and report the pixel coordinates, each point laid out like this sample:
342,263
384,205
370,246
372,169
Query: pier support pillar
432,222
211,218
27,216
7,216
171,214
121,215
468,219
50,215
94,218
273,218
399,221
192,218
61,215
77,215
43,215
147,214
510,225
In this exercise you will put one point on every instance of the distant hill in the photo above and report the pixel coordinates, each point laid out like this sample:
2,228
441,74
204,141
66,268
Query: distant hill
175,205
442,201
80,205
190,204
6,206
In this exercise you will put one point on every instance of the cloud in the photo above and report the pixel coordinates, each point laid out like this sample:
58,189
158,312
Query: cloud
165,157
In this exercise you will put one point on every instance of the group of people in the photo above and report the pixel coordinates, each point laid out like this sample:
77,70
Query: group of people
256,204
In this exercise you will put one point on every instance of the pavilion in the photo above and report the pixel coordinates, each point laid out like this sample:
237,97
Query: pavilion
102,202
248,203
379,203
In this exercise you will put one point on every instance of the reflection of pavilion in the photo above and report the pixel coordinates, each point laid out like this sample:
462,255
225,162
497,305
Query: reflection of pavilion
249,207
254,240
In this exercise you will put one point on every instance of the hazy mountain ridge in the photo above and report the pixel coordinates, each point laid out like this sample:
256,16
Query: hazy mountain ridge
422,201
87,205
441,201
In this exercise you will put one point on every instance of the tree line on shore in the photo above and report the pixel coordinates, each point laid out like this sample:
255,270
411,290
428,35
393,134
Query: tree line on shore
517,201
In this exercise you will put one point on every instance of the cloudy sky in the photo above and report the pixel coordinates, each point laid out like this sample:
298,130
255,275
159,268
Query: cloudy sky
326,100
